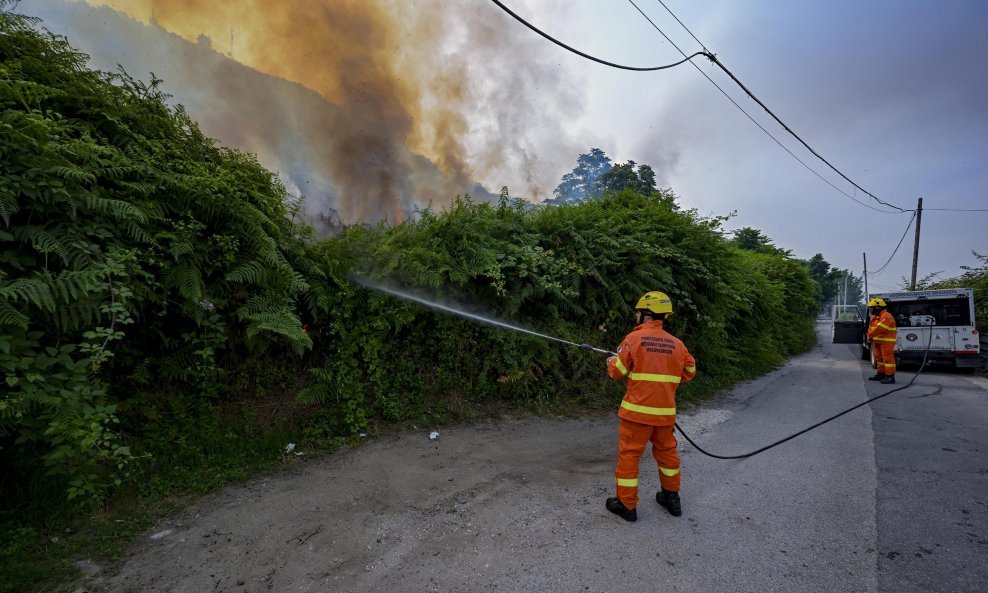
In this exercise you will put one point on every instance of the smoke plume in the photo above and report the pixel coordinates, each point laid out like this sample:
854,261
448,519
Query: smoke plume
404,103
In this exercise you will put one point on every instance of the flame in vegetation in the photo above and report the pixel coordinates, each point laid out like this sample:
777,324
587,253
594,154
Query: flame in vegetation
428,97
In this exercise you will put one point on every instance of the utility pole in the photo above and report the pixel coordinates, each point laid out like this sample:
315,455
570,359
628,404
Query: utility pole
866,294
919,219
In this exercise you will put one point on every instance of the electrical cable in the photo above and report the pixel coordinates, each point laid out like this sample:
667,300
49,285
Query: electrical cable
761,127
753,120
588,56
889,260
818,424
718,63
955,209
712,58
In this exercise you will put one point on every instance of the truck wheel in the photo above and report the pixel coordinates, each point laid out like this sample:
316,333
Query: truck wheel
865,353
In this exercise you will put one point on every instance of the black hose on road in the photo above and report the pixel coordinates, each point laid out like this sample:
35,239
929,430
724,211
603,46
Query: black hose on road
818,424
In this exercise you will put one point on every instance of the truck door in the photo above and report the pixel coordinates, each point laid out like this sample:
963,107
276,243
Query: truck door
849,326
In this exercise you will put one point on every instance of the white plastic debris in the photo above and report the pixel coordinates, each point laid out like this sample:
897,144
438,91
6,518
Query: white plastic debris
363,434
289,448
162,534
433,435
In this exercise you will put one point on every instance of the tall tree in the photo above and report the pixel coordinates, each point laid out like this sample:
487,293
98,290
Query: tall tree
584,180
842,280
625,176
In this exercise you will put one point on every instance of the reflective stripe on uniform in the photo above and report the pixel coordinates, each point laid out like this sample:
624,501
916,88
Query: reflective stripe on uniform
883,339
655,378
886,327
690,369
648,410
628,482
620,366
668,472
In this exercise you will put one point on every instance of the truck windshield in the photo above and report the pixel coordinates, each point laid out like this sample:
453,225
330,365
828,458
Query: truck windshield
931,312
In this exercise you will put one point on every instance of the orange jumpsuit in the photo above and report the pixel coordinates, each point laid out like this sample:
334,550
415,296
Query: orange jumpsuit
654,362
881,332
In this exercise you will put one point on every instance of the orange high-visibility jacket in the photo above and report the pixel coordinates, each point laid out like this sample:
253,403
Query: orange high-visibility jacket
882,328
655,363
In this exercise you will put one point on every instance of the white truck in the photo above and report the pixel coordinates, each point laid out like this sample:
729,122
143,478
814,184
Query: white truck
942,320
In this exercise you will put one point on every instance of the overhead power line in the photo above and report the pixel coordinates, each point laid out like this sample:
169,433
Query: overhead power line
717,62
588,56
956,209
684,26
761,127
904,233
713,58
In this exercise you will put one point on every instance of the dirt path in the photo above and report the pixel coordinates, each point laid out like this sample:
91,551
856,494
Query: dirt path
518,506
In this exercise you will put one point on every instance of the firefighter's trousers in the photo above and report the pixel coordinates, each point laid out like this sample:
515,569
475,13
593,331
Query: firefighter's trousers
632,440
885,357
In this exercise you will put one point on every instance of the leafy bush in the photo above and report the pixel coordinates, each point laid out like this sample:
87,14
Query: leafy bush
569,271
134,252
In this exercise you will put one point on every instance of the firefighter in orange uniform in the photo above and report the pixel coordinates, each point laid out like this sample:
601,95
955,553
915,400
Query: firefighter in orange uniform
654,363
881,334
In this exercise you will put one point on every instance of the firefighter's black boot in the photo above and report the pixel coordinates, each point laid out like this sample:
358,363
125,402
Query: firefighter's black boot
888,380
671,502
877,377
617,507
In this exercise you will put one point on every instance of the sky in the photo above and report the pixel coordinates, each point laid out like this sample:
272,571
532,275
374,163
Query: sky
894,94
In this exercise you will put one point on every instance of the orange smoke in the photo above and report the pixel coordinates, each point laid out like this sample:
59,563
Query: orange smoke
430,78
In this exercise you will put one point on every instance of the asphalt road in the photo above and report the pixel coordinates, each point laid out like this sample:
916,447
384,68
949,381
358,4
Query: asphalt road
931,451
891,497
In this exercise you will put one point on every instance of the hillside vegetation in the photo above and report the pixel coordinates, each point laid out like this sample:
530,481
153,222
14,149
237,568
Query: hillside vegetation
168,322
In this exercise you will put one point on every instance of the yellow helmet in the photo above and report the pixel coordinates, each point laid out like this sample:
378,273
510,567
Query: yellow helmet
656,302
877,302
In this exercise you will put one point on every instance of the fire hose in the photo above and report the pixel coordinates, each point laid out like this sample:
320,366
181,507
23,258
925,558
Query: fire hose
405,295
795,434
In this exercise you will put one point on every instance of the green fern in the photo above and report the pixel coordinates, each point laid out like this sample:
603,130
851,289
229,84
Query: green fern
72,173
316,394
187,279
8,205
10,316
248,272
282,322
119,209
35,292
42,240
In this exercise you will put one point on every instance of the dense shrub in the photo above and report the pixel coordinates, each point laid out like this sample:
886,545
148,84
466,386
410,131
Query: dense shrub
134,253
570,271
